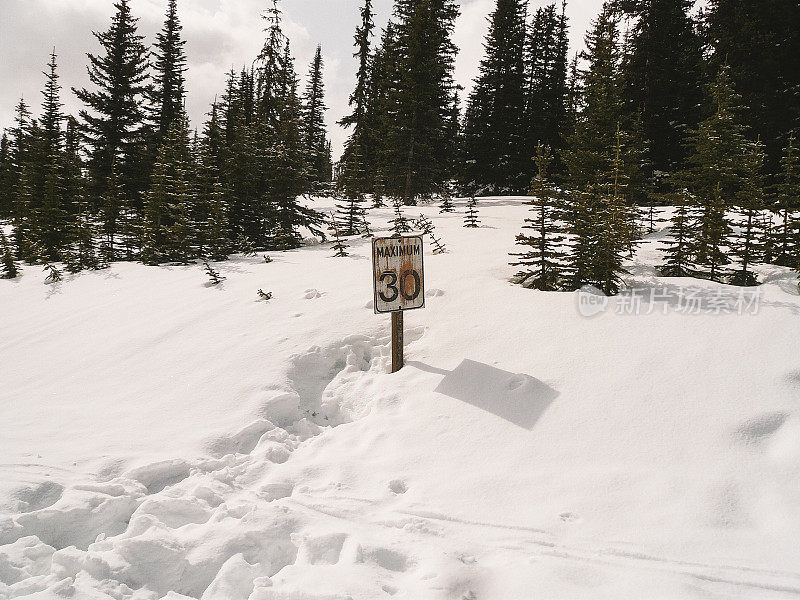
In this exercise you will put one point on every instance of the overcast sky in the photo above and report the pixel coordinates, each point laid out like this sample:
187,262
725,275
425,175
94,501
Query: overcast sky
220,34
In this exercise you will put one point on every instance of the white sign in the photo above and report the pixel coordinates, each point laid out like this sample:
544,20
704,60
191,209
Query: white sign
398,274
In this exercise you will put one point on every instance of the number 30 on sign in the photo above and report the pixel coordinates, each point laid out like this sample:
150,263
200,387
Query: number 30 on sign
398,273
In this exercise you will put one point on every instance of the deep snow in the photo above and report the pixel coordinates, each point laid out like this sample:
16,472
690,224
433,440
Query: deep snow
162,438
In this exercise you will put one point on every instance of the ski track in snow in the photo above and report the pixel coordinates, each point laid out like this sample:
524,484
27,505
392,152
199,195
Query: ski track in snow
241,524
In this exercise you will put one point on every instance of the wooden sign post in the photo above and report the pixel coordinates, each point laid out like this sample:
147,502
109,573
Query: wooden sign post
399,283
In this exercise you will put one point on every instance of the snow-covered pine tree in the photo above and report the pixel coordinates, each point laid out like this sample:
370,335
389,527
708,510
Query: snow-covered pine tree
679,251
787,203
748,244
315,139
471,217
166,230
714,236
114,117
339,246
9,264
543,262
494,132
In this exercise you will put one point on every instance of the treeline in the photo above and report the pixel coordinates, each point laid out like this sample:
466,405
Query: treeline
127,180
695,113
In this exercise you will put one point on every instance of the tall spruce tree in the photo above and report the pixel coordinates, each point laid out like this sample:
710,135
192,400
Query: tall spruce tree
678,248
315,139
169,67
23,153
50,217
353,176
166,230
114,117
415,146
662,78
547,115
494,134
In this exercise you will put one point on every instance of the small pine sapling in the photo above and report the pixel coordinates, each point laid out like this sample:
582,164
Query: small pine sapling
447,205
245,246
267,259
544,258
339,246
471,218
400,224
53,274
214,277
367,230
262,295
9,265
426,226
678,247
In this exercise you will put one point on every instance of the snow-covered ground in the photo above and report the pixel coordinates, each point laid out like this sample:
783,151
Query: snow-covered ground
161,438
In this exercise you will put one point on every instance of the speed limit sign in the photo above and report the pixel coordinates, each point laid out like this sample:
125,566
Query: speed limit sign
398,273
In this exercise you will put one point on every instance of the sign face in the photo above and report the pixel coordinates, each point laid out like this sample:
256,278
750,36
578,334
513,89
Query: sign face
398,274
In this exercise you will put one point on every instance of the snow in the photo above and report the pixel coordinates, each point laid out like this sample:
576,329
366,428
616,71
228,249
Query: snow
163,438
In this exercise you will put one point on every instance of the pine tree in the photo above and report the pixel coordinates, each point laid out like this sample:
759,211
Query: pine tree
547,94
494,132
447,205
315,141
760,47
352,214
787,204
590,153
414,145
426,226
339,247
544,261
471,218
166,230
748,246
719,150
113,120
287,180
50,217
662,75
400,224
24,139
6,178
209,211
9,265
678,248
353,178
169,69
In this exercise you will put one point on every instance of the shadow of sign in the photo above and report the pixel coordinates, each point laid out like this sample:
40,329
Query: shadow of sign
518,398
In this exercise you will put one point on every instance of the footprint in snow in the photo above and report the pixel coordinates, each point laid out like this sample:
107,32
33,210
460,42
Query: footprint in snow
312,294
569,517
398,486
